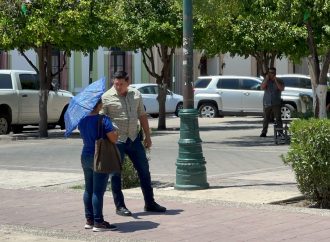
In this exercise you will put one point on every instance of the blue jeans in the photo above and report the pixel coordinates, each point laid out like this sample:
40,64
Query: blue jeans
136,152
95,186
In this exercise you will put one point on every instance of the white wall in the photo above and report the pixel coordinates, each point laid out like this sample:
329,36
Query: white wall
18,62
137,66
237,66
213,66
85,70
100,63
282,66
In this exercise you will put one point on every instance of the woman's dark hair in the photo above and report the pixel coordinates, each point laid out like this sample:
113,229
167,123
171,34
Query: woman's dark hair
98,102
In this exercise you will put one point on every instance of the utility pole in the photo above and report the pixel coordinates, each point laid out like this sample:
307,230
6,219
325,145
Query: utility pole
191,170
91,51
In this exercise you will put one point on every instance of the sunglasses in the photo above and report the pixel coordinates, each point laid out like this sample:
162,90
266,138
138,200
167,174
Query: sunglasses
271,72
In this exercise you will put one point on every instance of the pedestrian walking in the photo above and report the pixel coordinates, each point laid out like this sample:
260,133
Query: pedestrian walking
124,105
272,102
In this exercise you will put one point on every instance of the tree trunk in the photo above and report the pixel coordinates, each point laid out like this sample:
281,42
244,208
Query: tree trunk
319,84
45,75
162,89
321,93
163,82
165,54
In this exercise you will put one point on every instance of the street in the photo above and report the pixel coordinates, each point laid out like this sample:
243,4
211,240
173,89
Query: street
231,146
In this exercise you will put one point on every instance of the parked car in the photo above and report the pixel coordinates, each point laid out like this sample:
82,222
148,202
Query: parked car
19,101
240,95
297,82
149,91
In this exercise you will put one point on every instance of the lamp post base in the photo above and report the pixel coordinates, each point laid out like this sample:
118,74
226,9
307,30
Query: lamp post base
191,171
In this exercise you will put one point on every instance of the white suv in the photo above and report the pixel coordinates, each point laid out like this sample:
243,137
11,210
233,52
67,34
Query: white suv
240,95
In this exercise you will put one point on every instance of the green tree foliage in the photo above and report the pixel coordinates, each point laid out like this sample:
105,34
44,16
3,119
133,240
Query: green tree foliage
53,24
314,18
245,28
154,27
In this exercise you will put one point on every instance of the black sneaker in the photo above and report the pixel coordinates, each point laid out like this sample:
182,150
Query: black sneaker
122,211
104,226
154,207
89,223
263,135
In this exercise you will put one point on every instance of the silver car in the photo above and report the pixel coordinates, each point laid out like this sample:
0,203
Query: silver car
240,95
149,92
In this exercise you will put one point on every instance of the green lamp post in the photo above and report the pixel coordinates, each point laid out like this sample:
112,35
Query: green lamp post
191,170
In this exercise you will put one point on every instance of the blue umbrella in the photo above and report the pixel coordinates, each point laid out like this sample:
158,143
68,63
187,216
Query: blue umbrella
82,104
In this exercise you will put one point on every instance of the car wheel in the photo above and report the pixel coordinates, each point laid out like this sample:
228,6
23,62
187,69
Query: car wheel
4,124
286,111
154,115
178,108
17,129
208,110
51,126
61,122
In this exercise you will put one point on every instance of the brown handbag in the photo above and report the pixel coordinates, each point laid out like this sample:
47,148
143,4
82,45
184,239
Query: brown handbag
107,157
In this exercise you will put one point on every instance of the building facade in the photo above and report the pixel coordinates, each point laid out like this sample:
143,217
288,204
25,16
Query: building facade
76,75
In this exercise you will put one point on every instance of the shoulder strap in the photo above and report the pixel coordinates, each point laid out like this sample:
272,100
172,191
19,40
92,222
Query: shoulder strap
100,126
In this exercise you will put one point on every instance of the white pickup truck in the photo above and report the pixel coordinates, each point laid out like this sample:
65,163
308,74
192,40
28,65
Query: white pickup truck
19,101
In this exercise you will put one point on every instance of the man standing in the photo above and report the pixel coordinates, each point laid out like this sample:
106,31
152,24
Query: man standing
125,107
272,99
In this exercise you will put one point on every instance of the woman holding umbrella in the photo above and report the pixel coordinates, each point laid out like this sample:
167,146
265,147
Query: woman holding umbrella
83,111
95,183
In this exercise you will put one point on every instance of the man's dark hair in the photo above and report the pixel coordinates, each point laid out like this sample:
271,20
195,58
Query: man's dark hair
120,75
272,69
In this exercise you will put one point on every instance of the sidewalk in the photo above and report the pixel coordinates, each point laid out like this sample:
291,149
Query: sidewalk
235,208
36,215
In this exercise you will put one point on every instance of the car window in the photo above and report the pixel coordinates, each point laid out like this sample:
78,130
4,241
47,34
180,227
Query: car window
228,83
148,90
202,83
5,81
290,81
155,90
29,81
306,83
297,82
248,84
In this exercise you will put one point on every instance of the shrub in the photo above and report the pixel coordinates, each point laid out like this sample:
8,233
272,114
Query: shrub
309,157
129,177
307,115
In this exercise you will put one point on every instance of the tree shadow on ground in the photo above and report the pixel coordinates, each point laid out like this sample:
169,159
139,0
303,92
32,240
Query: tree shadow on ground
268,184
246,141
33,133
219,127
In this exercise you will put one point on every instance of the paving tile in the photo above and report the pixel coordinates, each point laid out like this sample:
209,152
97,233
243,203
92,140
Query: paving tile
184,221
